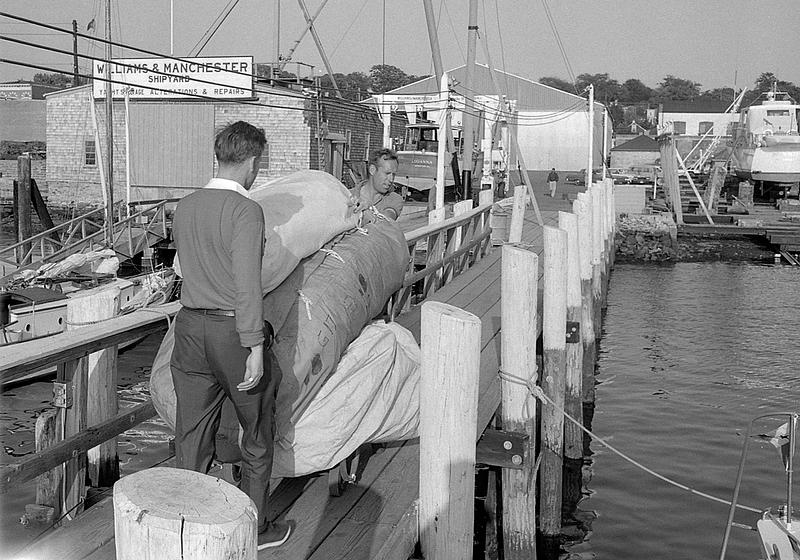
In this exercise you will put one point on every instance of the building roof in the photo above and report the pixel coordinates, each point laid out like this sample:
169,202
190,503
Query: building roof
641,143
528,94
695,106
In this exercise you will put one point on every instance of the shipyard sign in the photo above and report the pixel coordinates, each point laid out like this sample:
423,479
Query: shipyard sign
229,77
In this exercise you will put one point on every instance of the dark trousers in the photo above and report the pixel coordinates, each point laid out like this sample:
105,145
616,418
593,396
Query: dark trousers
207,363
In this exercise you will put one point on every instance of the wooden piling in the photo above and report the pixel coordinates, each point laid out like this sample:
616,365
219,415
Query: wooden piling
583,212
456,240
519,319
71,377
554,320
48,485
22,206
573,403
91,308
612,217
202,519
435,251
517,214
597,257
450,371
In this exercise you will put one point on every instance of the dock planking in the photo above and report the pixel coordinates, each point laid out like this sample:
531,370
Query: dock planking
376,517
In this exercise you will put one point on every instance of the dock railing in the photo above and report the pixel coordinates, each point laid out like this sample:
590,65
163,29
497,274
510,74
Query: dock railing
62,434
441,251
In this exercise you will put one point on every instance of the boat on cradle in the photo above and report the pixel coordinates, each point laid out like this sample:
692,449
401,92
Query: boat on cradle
767,140
778,527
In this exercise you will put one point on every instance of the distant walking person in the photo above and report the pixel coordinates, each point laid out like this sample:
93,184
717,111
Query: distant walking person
552,181
220,331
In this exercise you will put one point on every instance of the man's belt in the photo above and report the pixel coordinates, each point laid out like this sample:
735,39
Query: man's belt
218,312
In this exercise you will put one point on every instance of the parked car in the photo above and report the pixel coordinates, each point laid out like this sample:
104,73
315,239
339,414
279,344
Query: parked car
580,177
620,176
644,174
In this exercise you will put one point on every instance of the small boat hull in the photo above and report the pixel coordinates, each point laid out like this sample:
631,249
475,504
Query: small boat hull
778,541
32,313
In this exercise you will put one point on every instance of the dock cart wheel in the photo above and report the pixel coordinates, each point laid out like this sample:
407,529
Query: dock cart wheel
343,474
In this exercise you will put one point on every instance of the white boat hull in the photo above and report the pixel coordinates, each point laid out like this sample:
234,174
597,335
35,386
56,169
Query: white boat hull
779,163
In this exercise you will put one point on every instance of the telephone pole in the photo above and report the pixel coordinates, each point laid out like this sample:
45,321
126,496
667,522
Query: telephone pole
591,136
75,53
109,135
469,107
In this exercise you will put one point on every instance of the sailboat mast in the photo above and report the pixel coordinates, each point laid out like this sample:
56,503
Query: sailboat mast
434,40
109,229
469,93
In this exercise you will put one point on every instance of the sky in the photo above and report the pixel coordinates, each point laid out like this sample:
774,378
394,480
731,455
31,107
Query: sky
717,43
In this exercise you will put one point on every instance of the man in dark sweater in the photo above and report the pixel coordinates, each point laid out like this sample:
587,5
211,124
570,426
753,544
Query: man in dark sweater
220,331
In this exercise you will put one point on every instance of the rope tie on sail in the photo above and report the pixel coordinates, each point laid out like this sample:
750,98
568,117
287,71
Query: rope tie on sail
539,394
307,301
333,254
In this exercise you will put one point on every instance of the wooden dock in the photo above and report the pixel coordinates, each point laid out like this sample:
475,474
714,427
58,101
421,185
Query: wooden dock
377,517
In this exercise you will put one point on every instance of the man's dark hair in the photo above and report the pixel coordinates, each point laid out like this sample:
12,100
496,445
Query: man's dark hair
384,153
237,142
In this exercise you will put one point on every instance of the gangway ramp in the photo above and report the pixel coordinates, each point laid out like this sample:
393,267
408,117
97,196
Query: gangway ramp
132,234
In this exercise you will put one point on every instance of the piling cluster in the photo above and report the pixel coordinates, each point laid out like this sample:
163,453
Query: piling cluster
576,261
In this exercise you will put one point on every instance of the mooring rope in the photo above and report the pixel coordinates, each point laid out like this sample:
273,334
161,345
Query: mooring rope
537,392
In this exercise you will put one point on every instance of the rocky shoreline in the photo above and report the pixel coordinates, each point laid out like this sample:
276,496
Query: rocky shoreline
655,238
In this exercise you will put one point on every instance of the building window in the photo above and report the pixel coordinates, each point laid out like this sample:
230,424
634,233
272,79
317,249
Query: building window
348,138
679,127
264,165
367,140
705,126
90,155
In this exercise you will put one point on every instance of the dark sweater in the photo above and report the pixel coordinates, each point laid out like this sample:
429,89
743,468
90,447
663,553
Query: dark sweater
219,236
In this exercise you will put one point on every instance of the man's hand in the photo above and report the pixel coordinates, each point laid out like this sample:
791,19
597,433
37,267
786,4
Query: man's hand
254,368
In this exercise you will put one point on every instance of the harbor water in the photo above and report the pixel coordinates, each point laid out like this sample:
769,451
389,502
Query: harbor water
690,353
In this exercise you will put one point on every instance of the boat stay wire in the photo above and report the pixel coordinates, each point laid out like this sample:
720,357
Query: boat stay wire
213,28
559,43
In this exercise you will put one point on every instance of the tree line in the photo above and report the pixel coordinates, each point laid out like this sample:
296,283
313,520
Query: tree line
633,92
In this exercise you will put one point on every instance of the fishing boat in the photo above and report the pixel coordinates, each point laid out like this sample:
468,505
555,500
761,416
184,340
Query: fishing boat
767,140
778,527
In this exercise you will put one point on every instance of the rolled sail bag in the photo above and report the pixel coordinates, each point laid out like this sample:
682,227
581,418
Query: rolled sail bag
334,293
302,211
316,312
371,396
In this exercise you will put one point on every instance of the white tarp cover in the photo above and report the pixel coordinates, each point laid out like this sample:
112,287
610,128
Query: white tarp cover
372,396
